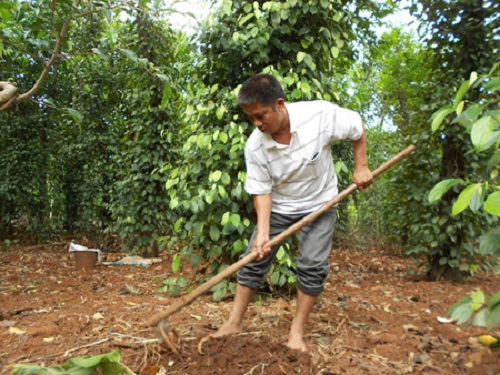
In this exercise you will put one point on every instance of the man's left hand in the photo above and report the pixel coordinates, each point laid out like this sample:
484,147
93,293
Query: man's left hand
362,177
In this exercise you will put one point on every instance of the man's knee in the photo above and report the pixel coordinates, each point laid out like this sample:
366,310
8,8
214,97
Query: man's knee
311,280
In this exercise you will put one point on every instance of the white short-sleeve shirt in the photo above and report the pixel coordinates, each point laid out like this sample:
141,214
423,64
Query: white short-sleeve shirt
300,176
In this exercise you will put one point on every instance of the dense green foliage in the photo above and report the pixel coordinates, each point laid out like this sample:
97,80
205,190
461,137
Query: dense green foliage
462,39
93,140
481,190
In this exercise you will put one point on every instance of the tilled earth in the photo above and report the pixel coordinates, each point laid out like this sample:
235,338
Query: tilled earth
375,317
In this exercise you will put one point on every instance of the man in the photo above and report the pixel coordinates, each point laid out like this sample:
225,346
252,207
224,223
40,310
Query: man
290,173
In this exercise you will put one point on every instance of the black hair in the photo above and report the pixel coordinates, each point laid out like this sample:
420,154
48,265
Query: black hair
261,88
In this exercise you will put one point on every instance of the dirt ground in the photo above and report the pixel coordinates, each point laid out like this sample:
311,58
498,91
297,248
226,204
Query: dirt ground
375,317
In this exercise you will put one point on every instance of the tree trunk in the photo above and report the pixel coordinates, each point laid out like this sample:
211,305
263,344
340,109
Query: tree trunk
452,166
152,250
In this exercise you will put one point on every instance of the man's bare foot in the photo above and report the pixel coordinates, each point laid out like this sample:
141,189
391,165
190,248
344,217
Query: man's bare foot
296,342
227,329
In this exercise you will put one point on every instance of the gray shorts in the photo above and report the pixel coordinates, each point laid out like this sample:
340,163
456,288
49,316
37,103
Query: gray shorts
312,262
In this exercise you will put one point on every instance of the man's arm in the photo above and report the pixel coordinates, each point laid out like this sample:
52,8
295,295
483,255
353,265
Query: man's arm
263,205
362,175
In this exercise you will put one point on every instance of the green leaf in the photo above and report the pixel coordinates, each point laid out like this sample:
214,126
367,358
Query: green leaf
489,243
464,198
177,224
478,300
238,246
439,115
223,137
235,220
492,204
171,182
4,13
219,294
441,188
194,207
176,262
164,78
462,313
460,108
494,138
335,52
476,202
225,179
167,94
494,161
210,197
195,260
129,54
493,319
481,132
228,229
473,78
494,301
470,115
77,116
275,277
93,361
297,94
480,319
281,253
460,93
309,62
301,56
493,85
214,233
222,191
101,53
225,218
216,176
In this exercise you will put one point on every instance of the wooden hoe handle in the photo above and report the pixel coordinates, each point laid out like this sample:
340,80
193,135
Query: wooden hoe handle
205,287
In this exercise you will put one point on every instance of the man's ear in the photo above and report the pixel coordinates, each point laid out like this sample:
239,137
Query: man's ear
280,104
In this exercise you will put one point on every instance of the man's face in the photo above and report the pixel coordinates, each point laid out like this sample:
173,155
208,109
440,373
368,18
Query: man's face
267,119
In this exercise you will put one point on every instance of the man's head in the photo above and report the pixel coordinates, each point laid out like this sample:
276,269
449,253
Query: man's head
263,100
261,88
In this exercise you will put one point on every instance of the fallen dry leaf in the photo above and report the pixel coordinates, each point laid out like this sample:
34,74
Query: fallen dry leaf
16,331
97,316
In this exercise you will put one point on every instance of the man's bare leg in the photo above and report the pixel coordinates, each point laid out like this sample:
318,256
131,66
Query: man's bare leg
305,304
234,324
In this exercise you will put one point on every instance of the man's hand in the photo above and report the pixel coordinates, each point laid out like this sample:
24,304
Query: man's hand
258,246
362,177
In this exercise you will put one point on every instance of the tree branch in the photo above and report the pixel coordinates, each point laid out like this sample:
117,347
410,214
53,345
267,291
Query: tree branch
56,54
7,92
48,67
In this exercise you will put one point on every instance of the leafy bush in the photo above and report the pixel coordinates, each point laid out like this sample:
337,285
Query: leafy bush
482,190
